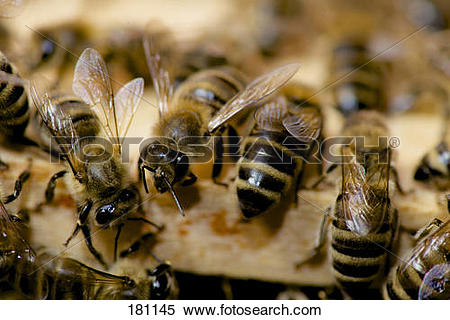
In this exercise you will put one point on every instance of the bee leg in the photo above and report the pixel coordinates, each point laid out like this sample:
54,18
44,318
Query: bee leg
83,213
192,178
160,228
3,165
51,186
116,240
321,241
218,160
426,230
137,244
140,173
24,176
87,238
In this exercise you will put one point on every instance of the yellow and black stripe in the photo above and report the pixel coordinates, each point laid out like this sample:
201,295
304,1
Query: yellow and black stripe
406,279
84,119
212,88
361,84
14,111
266,171
360,261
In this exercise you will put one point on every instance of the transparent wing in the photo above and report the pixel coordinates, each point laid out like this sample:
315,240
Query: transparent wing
61,128
92,84
11,8
254,92
364,204
433,247
270,116
160,76
11,241
436,282
304,125
127,101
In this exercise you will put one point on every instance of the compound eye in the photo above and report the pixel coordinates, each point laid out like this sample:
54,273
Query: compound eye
47,48
105,214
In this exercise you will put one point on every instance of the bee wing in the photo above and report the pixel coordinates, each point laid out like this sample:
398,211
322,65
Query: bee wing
270,116
304,125
254,92
10,8
92,84
435,281
61,128
127,101
11,239
364,207
160,76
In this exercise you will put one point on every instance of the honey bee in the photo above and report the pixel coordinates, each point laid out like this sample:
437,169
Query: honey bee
273,154
200,107
99,181
14,111
55,47
361,83
425,272
434,167
42,276
364,222
163,284
84,119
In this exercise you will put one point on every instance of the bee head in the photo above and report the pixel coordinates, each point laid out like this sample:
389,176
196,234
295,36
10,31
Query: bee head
162,282
126,201
167,164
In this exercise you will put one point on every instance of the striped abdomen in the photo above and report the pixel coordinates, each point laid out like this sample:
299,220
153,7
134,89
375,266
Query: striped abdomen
426,266
266,171
84,119
14,112
363,88
211,88
360,261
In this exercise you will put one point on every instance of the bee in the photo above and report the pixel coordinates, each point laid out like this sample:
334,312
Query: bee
84,119
363,222
99,181
425,272
53,47
273,154
434,168
360,84
42,276
14,111
159,281
200,107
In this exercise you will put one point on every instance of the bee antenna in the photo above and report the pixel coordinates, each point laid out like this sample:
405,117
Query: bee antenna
155,257
174,197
